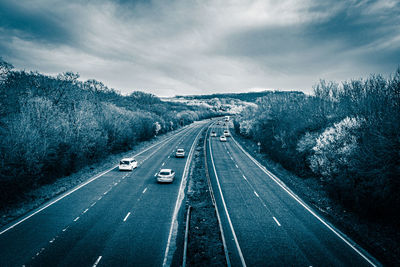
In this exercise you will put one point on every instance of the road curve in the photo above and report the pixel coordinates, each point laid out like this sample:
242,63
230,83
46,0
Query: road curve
117,219
264,222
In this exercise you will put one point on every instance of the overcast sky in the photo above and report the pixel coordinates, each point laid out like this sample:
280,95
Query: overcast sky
200,47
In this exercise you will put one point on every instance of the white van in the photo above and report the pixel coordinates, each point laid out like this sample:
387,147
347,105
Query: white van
127,164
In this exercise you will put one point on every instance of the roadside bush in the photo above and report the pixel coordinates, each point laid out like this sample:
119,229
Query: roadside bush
53,126
335,147
347,135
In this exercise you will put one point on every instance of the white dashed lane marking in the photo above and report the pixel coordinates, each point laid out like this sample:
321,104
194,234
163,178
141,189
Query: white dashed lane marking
255,193
85,211
237,166
144,191
126,217
77,218
97,261
276,221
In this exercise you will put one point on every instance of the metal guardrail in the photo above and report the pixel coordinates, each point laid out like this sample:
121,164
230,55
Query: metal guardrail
186,236
228,263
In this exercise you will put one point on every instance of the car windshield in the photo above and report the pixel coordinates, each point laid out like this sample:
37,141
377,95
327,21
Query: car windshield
165,173
122,162
180,150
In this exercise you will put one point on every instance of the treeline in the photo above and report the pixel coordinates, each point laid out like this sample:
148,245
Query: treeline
248,97
53,126
347,135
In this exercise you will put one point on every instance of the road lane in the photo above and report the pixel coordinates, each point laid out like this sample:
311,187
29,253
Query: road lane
271,227
80,227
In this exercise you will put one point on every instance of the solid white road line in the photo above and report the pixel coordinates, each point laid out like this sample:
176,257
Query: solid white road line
126,217
276,221
302,203
226,210
163,142
171,243
97,261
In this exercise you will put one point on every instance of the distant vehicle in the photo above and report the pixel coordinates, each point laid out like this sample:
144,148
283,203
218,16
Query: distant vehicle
226,133
218,123
226,118
213,134
180,153
127,164
165,176
222,138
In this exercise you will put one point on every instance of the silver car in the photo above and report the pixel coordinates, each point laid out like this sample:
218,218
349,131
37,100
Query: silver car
180,153
127,164
165,176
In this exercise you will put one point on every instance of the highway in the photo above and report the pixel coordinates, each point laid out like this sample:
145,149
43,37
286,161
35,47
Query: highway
115,219
266,224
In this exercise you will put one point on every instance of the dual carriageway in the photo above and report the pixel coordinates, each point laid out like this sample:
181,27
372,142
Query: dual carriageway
128,219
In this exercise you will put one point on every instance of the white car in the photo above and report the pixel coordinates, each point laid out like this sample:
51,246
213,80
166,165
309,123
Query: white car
222,138
127,164
226,133
180,153
213,134
165,176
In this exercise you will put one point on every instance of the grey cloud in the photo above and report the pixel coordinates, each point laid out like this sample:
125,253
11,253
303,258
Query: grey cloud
190,47
32,24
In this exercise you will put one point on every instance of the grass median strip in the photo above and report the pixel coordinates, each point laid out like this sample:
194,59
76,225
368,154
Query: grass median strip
204,238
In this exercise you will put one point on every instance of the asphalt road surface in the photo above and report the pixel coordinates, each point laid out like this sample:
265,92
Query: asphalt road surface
117,219
264,223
